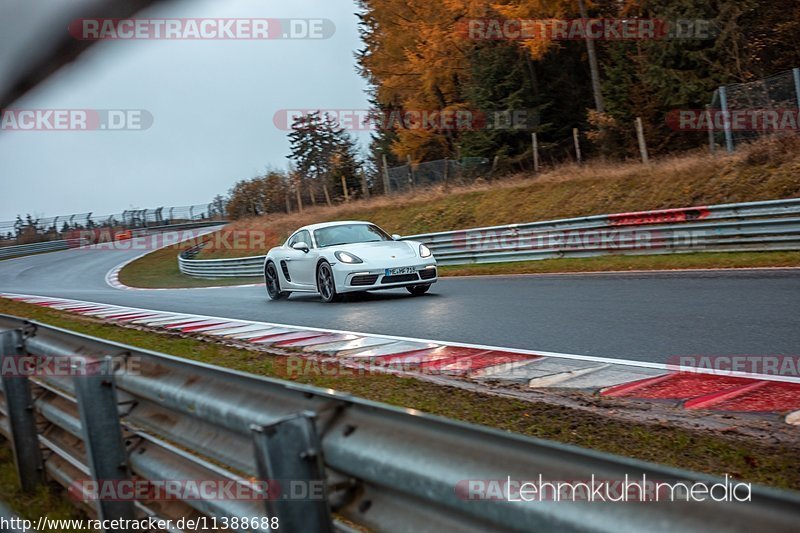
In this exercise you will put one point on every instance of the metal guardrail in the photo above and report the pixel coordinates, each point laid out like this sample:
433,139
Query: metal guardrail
219,268
753,226
7,252
34,248
380,467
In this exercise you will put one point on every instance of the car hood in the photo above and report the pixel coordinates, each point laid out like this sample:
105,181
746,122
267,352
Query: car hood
386,251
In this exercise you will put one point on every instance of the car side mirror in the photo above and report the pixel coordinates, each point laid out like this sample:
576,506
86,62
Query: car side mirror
396,237
303,247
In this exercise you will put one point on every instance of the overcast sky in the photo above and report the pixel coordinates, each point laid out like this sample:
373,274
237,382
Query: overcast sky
212,102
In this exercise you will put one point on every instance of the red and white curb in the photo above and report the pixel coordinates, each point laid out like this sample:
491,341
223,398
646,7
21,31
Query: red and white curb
699,389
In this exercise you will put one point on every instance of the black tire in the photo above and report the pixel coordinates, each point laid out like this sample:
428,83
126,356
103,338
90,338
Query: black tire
326,285
418,290
273,282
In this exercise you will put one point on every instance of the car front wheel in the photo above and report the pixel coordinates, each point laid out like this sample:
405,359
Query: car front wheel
273,283
418,290
326,285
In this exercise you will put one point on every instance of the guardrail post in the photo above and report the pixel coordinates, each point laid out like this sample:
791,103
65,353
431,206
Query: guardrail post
288,453
102,434
21,417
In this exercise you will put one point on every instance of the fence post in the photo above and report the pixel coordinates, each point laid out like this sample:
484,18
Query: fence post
535,141
364,185
21,418
327,195
712,145
344,189
288,452
642,143
410,171
577,142
102,433
796,75
387,188
726,119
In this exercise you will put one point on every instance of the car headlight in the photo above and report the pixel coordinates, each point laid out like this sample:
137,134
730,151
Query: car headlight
424,251
348,258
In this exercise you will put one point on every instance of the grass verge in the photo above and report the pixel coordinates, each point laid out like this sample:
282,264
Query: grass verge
623,263
769,463
159,270
46,501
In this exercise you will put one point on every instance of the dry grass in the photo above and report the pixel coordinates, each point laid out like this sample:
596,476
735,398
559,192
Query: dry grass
766,170
623,263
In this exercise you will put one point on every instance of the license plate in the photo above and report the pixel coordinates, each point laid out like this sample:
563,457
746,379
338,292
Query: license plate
399,271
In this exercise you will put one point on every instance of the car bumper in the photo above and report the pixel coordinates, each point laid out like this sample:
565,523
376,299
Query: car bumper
351,278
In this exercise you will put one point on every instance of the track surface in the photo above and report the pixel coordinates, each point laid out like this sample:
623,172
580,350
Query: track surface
645,317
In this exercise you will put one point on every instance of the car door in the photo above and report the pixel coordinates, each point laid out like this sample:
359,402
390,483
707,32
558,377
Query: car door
300,264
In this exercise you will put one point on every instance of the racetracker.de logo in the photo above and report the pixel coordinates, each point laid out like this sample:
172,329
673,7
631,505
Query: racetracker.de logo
732,365
760,120
24,366
191,29
198,490
413,119
75,119
633,29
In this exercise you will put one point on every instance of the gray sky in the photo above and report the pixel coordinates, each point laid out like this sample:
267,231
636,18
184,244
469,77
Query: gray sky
212,101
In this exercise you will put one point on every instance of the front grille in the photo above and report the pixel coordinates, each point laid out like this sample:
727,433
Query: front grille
399,279
427,273
366,279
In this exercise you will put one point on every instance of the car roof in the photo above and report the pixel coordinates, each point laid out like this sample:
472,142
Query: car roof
313,227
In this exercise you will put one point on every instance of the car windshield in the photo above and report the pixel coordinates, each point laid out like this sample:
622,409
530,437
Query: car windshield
349,234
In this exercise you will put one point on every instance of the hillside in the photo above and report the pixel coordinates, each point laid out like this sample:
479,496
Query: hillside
764,171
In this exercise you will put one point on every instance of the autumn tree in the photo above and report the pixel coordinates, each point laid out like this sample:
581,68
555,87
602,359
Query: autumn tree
258,196
322,152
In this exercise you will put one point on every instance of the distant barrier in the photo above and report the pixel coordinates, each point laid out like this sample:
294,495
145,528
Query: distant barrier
7,252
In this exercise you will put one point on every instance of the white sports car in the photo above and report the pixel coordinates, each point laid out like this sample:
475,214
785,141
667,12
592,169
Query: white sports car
339,257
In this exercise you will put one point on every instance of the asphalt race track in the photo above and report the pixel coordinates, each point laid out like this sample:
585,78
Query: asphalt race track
646,317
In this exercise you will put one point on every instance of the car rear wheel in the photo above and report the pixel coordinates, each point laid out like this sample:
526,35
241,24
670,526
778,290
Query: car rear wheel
273,283
326,285
418,290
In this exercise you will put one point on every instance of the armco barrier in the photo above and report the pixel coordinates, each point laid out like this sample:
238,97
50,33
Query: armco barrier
753,226
53,246
380,468
34,248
